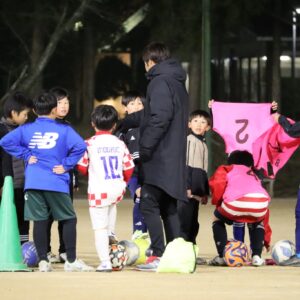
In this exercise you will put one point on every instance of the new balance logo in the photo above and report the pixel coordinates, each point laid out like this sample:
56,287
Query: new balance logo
46,141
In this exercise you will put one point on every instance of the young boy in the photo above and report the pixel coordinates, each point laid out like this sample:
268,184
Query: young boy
15,113
50,150
133,101
239,197
293,130
63,106
197,182
109,166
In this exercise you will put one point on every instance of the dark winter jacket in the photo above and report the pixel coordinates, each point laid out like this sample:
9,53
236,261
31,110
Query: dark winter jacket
10,166
131,139
163,132
292,130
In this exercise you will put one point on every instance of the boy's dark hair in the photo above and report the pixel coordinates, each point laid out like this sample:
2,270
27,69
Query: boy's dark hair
156,51
200,113
131,96
59,93
44,103
239,157
104,117
17,102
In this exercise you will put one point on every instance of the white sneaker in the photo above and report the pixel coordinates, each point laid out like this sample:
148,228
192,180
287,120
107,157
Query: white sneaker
77,266
105,266
53,258
45,266
62,257
257,261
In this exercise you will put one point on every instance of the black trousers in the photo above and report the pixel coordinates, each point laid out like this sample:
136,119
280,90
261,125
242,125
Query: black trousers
22,224
188,216
160,213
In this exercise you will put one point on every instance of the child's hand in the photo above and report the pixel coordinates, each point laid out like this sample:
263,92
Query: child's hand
59,169
210,103
138,192
32,160
189,194
274,105
267,247
276,117
204,200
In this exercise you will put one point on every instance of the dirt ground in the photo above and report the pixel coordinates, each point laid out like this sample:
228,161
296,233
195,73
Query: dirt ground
268,282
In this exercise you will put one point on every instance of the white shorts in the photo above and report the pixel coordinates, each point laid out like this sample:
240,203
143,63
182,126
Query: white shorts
103,217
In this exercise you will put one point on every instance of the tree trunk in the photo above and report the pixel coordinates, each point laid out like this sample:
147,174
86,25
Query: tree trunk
88,76
36,48
194,81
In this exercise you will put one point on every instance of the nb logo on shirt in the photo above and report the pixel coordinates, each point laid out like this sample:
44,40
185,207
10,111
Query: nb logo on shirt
46,141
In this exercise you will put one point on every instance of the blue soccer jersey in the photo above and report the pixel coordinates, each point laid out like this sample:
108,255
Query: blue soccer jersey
53,144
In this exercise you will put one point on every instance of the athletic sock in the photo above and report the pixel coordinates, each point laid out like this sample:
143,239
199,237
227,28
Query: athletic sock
69,236
239,231
220,236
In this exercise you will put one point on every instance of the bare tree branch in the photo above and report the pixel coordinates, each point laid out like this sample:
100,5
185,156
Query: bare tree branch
24,82
15,84
7,23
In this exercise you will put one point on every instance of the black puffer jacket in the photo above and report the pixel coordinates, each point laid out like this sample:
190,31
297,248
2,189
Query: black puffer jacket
9,165
163,129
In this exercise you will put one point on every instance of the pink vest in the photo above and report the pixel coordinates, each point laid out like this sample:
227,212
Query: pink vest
240,182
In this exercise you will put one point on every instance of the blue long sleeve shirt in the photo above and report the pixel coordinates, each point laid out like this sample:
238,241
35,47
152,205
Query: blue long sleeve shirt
52,143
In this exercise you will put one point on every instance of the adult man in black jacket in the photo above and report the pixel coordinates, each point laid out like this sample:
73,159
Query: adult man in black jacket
163,133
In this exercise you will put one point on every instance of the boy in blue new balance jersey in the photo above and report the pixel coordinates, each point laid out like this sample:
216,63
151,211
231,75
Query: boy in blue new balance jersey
109,166
50,150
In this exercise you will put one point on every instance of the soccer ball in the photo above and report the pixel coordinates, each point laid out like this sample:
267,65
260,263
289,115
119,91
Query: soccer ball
236,254
30,255
132,250
282,250
118,256
143,244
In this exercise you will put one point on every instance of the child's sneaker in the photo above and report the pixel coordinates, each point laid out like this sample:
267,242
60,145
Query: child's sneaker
200,261
293,261
105,266
112,238
77,266
136,234
257,261
45,266
53,258
62,257
151,264
217,261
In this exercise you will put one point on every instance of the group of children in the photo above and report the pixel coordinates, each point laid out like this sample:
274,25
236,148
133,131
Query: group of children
41,157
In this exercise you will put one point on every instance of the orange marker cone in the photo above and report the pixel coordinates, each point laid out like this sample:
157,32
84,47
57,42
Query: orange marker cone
10,247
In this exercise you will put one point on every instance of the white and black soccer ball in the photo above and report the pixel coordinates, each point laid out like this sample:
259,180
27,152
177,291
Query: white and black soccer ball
132,250
118,256
282,250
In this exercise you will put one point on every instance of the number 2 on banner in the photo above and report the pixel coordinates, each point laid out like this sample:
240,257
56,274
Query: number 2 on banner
238,137
110,165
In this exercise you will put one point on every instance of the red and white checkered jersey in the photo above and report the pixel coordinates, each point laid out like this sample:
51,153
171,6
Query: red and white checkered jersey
106,158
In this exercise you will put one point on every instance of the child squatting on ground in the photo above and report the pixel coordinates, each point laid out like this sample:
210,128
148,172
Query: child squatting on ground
239,197
109,166
50,150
